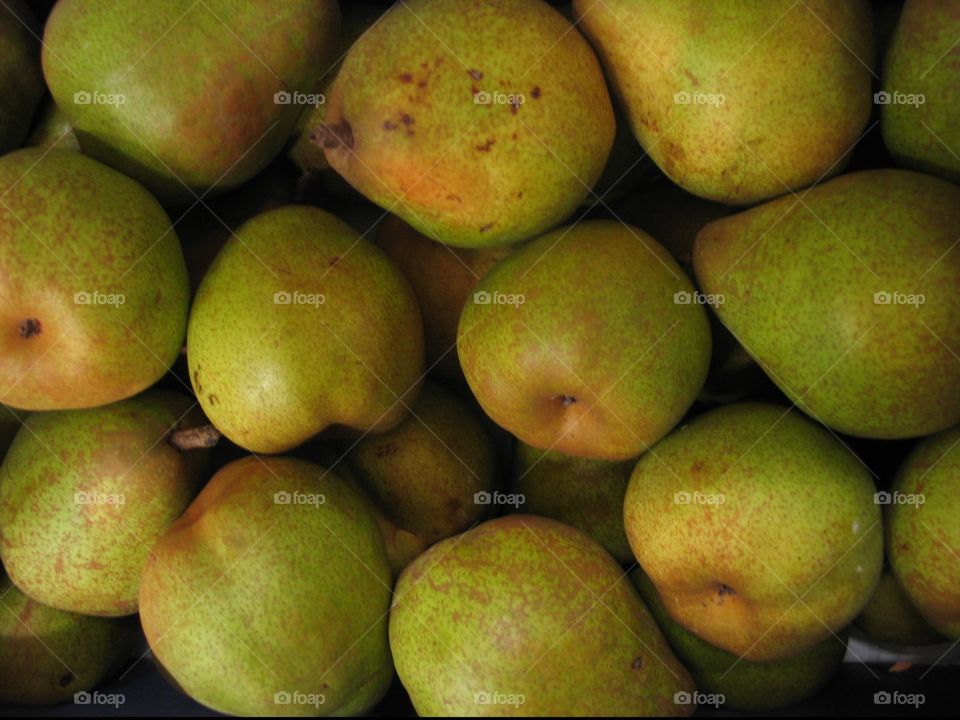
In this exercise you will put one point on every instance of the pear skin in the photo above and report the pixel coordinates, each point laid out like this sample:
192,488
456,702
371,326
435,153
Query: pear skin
276,579
300,324
486,153
597,363
487,622
848,299
890,617
94,284
745,511
923,530
21,80
53,129
85,493
738,101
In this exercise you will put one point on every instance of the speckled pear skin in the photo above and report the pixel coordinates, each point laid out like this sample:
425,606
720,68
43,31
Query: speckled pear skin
923,541
795,81
797,519
890,617
21,80
510,608
746,686
587,494
85,493
198,83
278,597
426,472
47,655
408,128
599,363
921,61
272,368
73,226
443,279
801,285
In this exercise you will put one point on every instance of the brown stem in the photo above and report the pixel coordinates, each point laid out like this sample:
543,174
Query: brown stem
202,436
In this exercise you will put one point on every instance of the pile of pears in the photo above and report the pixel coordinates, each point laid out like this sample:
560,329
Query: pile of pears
529,358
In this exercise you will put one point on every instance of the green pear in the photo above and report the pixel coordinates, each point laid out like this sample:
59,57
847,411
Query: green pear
92,279
741,684
300,324
53,129
479,123
890,617
585,493
596,363
738,101
432,473
923,530
920,110
527,616
85,493
758,529
270,595
443,279
186,97
848,299
21,80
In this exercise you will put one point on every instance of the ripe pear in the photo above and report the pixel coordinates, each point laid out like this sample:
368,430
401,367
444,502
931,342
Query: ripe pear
443,279
745,685
431,472
184,96
300,324
53,129
270,595
47,655
598,364
92,279
923,530
848,299
526,616
738,101
84,494
921,116
758,529
890,617
587,494
21,80
479,123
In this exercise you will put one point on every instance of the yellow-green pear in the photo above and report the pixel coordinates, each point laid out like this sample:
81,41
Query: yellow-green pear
890,617
53,129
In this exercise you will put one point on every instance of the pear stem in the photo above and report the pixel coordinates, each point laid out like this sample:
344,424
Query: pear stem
195,438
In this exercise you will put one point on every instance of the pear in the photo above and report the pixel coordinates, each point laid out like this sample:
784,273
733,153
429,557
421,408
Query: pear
923,530
93,283
53,129
758,529
745,685
738,101
890,617
920,100
186,97
598,364
85,493
275,579
300,324
48,655
479,123
526,616
443,279
21,80
587,494
432,473
848,299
